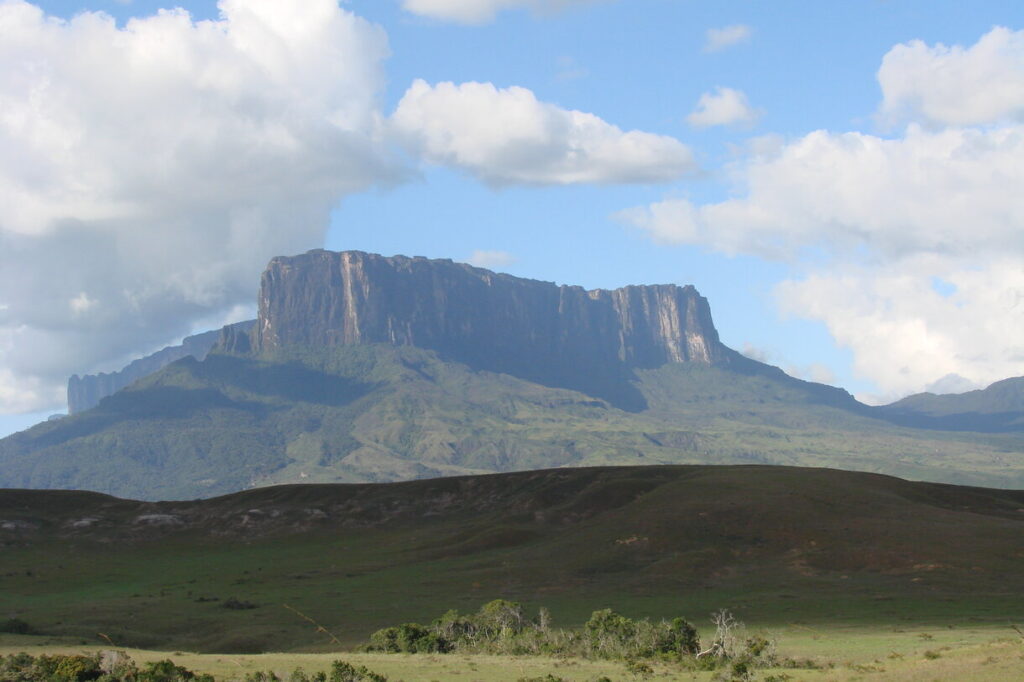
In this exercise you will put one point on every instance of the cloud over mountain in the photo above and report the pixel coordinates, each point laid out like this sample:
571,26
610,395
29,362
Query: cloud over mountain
149,171
506,136
872,221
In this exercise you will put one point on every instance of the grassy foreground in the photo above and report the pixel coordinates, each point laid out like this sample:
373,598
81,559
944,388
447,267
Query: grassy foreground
838,653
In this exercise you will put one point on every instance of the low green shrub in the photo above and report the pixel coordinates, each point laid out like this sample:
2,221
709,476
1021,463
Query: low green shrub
116,666
16,626
502,627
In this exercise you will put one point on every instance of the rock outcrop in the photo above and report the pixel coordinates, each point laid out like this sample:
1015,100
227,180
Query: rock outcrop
87,391
556,335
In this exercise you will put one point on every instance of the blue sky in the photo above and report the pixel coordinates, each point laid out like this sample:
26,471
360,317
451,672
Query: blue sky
811,213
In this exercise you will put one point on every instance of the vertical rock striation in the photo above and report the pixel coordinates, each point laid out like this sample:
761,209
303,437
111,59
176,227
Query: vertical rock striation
556,335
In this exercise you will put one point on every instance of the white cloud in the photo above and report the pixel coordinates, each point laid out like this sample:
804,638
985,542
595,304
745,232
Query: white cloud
148,172
952,192
725,106
480,11
874,223
491,259
756,353
905,335
81,303
952,383
506,136
717,39
957,86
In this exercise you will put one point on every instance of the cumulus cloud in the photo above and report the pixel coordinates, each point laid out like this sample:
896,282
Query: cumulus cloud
908,337
480,11
874,223
148,172
724,106
950,192
491,259
904,211
718,39
958,86
506,136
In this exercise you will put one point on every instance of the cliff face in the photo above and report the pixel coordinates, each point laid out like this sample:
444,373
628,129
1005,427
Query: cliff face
556,335
86,391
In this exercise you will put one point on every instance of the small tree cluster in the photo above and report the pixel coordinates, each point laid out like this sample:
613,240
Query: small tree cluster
502,627
116,666
108,666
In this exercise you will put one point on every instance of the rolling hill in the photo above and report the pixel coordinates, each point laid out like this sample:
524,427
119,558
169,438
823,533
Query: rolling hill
776,544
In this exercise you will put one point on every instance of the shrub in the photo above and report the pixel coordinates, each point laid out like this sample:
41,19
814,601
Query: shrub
342,671
167,671
262,676
16,626
501,627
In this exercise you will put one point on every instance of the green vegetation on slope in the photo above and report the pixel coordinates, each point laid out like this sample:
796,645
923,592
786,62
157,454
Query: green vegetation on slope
776,545
382,413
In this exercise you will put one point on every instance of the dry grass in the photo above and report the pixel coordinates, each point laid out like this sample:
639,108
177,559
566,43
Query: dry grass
840,655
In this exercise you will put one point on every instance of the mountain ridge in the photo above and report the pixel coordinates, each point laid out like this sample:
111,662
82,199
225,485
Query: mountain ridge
337,382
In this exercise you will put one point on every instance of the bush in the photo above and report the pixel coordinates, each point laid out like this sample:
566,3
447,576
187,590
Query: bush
108,666
409,638
167,671
16,626
346,672
501,627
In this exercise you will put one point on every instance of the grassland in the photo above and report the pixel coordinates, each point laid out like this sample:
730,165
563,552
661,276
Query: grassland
838,653
858,557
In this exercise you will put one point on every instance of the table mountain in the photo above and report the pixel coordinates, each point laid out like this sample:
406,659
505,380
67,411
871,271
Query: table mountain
366,368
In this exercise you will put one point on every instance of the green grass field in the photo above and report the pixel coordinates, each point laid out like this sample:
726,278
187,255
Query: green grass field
869,577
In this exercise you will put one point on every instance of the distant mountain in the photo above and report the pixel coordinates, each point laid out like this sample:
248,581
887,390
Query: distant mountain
1000,407
87,391
365,368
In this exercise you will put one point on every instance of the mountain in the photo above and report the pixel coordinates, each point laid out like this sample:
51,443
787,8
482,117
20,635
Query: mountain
562,336
1000,407
364,368
86,391
777,545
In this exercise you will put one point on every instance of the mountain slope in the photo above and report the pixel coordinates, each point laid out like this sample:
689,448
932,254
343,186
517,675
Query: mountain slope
378,412
366,368
776,544
86,391
999,407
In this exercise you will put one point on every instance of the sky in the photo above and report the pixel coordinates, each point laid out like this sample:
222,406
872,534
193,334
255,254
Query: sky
840,180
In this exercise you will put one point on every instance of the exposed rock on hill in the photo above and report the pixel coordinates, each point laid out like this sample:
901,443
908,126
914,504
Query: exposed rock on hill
88,390
563,336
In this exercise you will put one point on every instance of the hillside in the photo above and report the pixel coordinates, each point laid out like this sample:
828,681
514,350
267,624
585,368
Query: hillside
383,413
776,544
365,368
999,407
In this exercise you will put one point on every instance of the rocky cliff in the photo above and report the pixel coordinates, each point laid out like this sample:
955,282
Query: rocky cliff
87,391
556,335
